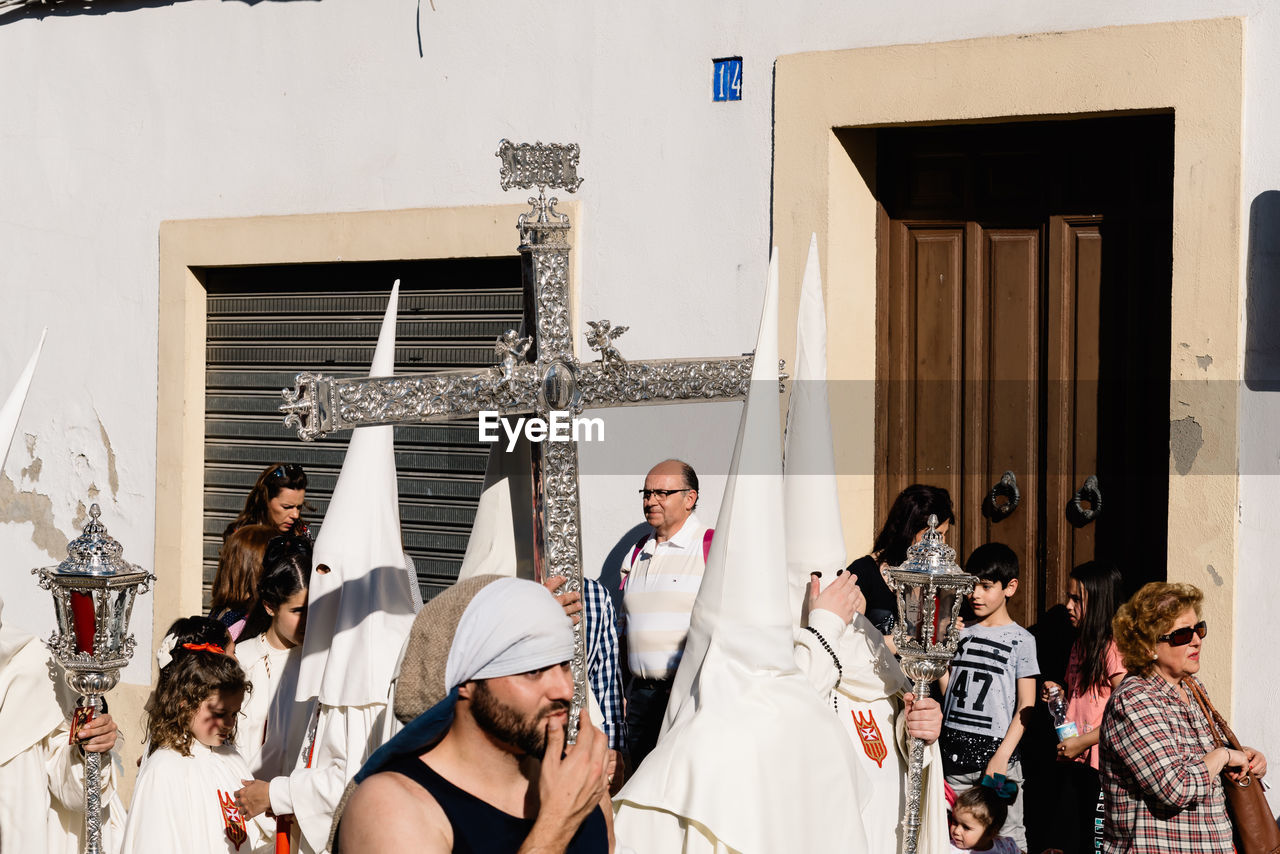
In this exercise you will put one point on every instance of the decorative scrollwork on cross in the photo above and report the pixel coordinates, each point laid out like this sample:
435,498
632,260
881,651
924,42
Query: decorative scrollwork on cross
552,166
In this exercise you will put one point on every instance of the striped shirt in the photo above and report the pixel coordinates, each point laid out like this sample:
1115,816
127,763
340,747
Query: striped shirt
662,584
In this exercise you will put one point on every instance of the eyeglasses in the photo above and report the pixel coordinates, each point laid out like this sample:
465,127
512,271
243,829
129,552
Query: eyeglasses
1182,636
661,493
292,470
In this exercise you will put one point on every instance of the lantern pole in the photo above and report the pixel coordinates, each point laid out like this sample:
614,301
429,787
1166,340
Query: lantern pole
929,588
93,594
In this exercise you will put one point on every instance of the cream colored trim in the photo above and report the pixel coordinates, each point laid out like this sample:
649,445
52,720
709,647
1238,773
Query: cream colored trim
185,246
824,183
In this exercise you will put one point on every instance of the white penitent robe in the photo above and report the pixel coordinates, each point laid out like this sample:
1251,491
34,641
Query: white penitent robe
338,740
41,772
185,803
868,702
269,671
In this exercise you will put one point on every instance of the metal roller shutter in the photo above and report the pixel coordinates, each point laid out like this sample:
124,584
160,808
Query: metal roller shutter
265,324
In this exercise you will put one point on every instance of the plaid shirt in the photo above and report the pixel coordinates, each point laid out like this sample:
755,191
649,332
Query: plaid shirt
1159,796
603,672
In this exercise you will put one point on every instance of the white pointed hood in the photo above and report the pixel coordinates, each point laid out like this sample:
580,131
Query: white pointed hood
13,403
491,547
811,501
360,611
748,747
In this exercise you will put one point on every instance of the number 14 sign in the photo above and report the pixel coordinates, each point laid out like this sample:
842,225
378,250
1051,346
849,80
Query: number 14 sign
726,80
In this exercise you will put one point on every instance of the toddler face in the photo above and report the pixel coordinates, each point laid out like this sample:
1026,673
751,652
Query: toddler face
216,717
966,830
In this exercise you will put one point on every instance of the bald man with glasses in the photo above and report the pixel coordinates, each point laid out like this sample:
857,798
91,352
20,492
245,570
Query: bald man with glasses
661,575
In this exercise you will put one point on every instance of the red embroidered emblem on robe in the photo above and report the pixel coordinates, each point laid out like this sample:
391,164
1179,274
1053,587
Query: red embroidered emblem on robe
233,819
869,733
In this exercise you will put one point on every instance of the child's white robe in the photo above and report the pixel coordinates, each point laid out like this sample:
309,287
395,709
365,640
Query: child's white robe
268,670
180,804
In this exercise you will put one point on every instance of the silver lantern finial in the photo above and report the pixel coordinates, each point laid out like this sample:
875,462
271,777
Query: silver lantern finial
929,587
93,593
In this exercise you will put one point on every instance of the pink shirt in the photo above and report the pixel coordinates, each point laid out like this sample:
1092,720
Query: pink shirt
1085,708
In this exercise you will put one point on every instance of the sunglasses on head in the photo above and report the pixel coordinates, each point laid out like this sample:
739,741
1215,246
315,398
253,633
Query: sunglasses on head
292,470
662,493
1182,636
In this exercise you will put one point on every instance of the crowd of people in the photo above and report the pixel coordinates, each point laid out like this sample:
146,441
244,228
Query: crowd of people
475,759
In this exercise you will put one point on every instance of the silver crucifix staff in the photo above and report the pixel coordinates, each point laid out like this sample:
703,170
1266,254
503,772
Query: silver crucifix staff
538,372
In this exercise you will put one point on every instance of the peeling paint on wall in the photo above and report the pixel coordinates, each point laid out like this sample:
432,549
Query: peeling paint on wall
1186,438
32,472
1213,573
1204,362
33,507
113,476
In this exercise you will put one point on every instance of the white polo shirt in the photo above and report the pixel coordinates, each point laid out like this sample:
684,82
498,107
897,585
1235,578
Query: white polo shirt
657,600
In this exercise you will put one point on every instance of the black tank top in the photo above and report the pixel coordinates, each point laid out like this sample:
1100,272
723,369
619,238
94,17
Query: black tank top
479,828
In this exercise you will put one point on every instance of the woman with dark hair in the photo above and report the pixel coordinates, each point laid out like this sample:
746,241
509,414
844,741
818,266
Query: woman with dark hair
271,643
1159,764
1094,593
908,520
276,500
235,583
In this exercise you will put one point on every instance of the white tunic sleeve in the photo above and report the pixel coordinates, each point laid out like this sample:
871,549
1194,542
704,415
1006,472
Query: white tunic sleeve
345,737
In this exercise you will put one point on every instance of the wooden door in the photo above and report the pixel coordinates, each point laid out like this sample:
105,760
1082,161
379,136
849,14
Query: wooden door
996,349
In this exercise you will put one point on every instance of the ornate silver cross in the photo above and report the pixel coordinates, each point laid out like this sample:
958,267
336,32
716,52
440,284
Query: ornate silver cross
537,372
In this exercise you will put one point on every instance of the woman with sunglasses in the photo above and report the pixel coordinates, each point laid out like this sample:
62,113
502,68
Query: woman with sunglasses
276,500
1160,770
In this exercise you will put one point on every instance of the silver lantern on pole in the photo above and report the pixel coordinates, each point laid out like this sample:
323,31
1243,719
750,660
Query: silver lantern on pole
93,593
929,587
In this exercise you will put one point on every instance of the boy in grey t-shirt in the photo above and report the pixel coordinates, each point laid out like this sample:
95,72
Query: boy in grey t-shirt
991,686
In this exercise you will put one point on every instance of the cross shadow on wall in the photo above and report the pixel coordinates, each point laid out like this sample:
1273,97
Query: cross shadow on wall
21,10
1262,299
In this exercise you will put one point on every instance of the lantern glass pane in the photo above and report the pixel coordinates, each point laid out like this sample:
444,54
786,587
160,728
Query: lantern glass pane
913,599
117,603
946,600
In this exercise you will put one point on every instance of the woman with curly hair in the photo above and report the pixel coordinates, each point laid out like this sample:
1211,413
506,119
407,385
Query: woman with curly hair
1160,770
183,799
277,500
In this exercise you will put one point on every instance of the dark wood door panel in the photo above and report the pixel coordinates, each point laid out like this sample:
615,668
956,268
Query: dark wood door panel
1005,378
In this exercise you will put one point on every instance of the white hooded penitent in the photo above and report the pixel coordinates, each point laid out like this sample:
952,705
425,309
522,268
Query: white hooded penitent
361,604
810,495
750,759
360,610
871,683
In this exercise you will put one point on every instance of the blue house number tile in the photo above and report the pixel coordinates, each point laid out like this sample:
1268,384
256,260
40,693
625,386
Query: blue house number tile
726,80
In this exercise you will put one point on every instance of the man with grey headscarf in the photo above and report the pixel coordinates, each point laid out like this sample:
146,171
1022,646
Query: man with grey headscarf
482,764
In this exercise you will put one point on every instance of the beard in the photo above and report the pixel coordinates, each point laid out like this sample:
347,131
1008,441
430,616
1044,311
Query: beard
528,734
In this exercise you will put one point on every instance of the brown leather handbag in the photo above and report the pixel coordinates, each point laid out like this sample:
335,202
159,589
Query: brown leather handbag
1253,826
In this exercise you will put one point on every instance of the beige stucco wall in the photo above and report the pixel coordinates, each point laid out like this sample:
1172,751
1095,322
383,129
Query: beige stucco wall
1194,68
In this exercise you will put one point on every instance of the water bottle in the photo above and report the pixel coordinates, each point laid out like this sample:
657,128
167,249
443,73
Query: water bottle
1057,710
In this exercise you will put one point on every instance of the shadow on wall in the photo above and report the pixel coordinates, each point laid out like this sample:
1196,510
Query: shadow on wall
1262,298
11,11
610,572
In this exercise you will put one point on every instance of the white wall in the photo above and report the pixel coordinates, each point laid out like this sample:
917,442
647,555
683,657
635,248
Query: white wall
113,122
1257,695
